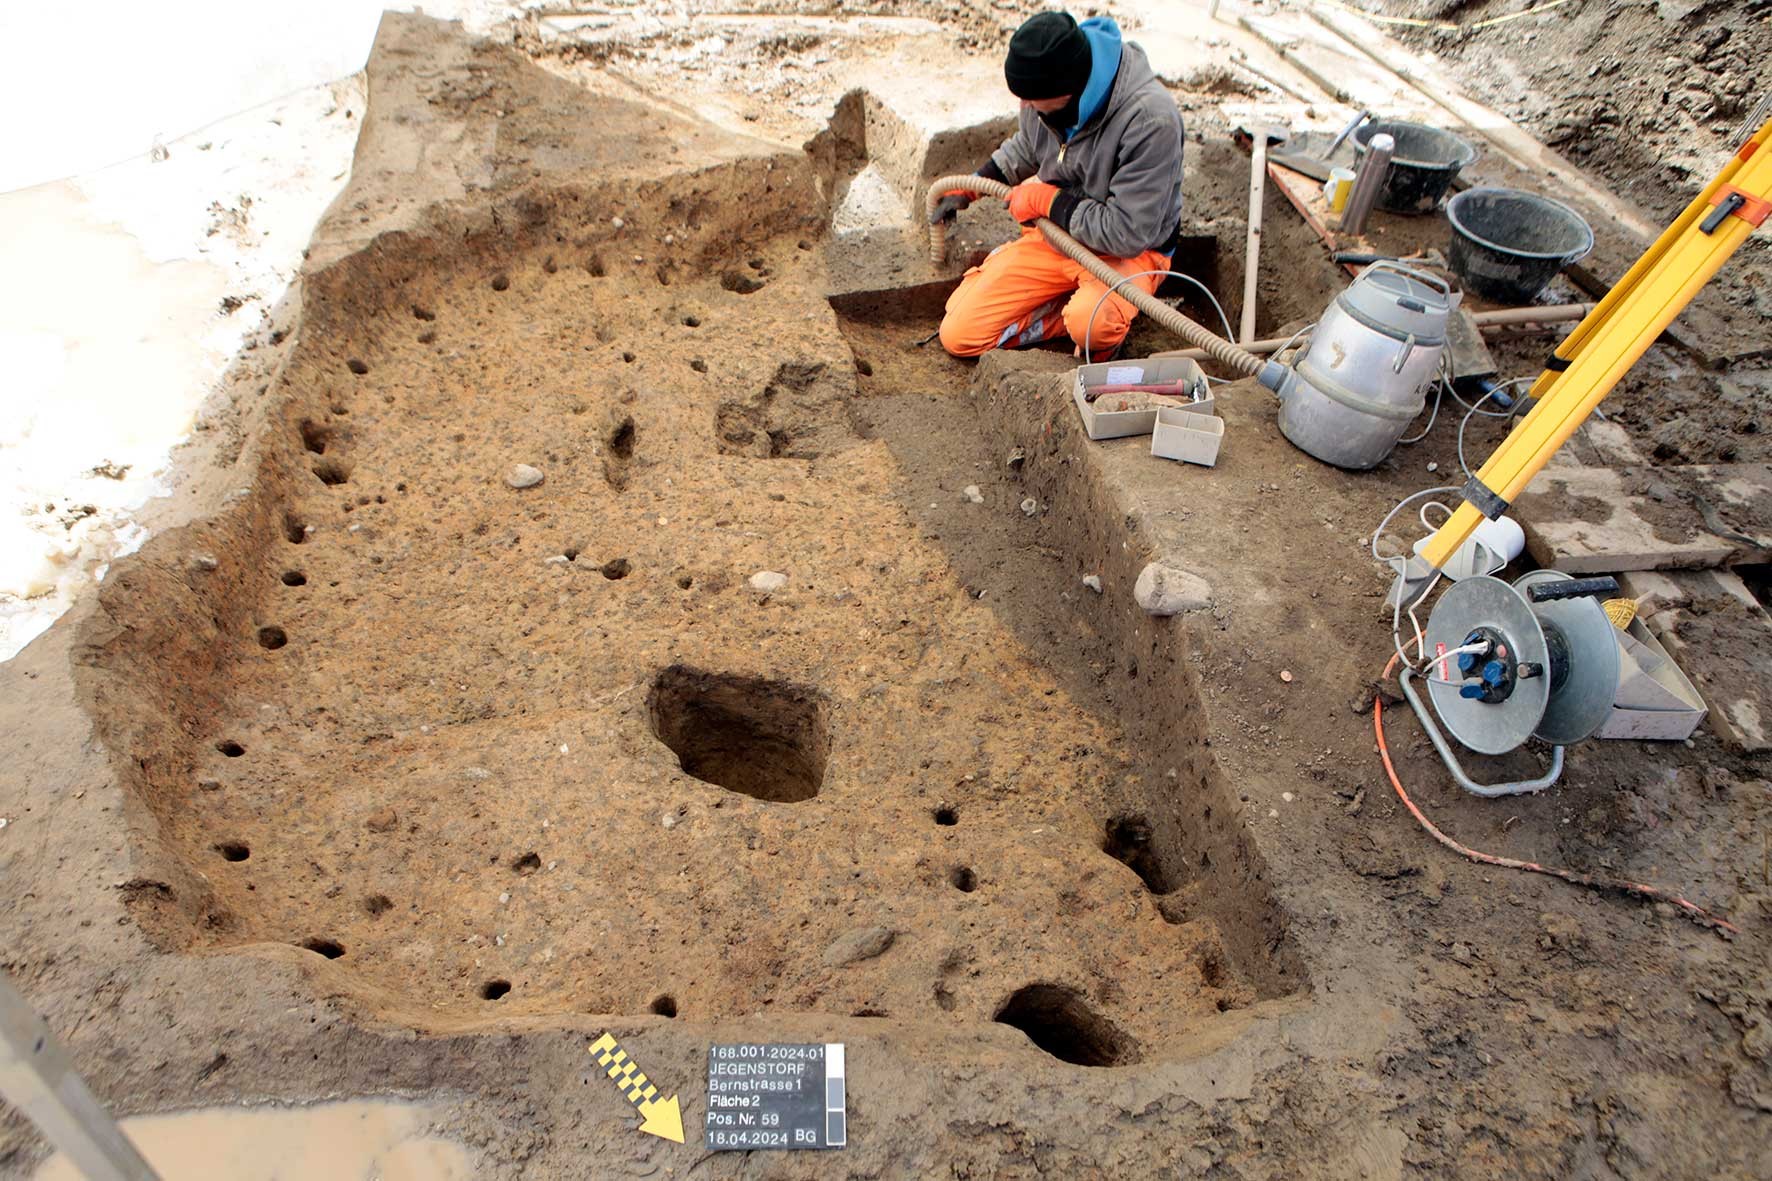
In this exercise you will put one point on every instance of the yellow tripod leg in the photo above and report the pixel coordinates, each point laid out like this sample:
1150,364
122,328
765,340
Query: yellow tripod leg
1694,213
1615,334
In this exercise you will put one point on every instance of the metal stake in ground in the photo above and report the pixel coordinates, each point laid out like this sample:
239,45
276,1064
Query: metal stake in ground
36,1078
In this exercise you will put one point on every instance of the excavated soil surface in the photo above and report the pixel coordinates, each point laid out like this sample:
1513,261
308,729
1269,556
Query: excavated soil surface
548,750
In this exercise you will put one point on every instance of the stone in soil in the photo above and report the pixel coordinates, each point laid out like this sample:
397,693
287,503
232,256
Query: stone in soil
1169,590
863,943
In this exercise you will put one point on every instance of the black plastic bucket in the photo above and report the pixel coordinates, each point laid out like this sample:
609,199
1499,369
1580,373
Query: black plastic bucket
1423,164
1508,245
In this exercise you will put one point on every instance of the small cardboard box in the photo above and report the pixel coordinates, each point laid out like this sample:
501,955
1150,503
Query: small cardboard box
1655,701
1187,436
1118,416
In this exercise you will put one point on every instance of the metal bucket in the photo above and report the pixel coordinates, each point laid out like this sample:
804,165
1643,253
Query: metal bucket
1508,245
1423,166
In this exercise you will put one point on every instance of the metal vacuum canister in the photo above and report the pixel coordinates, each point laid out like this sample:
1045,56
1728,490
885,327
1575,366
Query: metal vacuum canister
1359,384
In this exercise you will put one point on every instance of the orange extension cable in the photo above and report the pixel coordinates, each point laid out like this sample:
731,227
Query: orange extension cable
1693,911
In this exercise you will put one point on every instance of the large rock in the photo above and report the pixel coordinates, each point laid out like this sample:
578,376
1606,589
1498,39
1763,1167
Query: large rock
863,943
1170,590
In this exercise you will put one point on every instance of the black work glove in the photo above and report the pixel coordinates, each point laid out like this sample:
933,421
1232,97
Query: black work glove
950,205
955,200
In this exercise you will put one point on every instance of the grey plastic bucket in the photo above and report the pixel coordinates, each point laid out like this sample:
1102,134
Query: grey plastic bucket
1424,163
1507,245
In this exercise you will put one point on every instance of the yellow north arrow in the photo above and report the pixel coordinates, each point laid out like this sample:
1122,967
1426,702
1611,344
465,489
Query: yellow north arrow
658,1117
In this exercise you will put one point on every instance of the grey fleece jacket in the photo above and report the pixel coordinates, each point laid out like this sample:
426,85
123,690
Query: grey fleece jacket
1120,172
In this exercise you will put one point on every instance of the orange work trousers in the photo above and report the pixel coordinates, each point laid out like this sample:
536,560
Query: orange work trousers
1026,292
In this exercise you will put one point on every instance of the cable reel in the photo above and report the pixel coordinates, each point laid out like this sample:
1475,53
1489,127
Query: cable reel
1537,659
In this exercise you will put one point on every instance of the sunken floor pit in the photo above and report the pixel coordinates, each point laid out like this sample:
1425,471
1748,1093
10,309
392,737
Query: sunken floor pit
709,717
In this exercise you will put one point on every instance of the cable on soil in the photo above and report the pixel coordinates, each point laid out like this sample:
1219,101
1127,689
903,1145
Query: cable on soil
1696,913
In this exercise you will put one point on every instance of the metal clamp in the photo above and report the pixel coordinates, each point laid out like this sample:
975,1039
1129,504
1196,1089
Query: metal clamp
1730,201
1484,498
1518,787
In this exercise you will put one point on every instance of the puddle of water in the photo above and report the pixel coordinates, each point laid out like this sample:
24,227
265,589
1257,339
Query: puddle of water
355,1140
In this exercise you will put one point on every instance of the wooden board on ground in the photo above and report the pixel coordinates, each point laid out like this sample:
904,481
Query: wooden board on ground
1335,67
1594,520
1306,196
1718,633
1386,234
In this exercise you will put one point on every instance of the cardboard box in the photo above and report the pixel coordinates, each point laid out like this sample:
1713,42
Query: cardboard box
1187,436
1655,701
1119,416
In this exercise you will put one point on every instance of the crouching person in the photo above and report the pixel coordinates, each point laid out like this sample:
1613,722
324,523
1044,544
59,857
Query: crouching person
1097,150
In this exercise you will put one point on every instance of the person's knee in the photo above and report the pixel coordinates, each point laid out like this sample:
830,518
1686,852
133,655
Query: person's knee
1108,326
964,336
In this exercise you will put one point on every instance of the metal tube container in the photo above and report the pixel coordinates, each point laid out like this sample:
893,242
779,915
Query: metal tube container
1367,183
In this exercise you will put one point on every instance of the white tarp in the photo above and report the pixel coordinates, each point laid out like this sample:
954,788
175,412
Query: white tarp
88,85
131,281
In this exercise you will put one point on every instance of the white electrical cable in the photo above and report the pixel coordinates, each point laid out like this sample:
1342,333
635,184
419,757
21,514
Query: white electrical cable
1293,339
1508,413
1476,408
1480,647
1397,626
1463,464
1440,389
1372,546
1397,607
1089,328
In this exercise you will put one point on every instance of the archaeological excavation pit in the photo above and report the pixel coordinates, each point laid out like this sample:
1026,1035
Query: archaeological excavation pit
500,727
1061,1022
759,738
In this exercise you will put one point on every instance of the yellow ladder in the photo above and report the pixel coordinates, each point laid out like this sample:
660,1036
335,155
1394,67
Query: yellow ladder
1604,346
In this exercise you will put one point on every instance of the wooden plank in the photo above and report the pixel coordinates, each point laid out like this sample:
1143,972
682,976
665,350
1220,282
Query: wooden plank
1386,234
1719,634
1330,64
1306,196
1594,520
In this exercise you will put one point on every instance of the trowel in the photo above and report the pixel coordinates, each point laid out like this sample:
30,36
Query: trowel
1316,153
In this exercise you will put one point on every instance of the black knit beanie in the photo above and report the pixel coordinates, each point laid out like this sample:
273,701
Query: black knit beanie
1048,57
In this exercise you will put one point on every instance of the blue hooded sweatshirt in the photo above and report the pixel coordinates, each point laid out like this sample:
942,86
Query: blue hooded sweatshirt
1104,65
